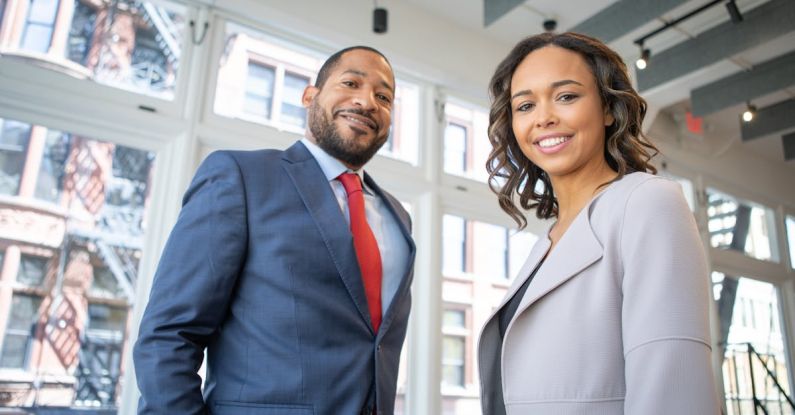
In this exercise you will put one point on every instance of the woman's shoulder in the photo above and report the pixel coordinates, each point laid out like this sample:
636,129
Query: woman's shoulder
642,192
646,187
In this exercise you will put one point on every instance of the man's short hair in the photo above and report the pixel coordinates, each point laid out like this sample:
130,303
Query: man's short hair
333,60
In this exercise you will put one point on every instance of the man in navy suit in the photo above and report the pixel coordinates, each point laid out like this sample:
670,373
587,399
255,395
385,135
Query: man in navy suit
292,276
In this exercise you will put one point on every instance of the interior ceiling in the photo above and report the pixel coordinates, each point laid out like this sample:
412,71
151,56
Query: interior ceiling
673,95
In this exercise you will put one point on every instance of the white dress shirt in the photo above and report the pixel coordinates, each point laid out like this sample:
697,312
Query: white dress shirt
391,243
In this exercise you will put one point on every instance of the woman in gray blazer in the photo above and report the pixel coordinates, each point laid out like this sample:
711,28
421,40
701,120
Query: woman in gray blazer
609,313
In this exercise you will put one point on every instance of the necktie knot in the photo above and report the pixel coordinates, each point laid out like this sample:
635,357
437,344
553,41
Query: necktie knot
351,182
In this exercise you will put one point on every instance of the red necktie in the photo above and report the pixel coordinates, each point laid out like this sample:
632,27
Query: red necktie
366,246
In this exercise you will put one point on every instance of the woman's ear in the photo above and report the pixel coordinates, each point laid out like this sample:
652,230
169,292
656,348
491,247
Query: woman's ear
609,119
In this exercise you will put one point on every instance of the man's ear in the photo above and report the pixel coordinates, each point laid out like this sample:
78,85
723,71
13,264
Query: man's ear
310,92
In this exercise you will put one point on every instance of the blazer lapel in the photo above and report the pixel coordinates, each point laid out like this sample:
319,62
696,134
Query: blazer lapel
319,199
576,250
405,282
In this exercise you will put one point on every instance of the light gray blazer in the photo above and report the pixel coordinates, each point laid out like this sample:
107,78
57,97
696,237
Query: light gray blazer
615,320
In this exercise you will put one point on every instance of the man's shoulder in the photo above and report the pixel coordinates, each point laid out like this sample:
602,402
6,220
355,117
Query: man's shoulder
246,159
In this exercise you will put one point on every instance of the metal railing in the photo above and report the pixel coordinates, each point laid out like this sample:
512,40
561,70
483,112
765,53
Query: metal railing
752,386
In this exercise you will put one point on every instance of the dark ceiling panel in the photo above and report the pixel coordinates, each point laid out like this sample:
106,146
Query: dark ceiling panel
764,23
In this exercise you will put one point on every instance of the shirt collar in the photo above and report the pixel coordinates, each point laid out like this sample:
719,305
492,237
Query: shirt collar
331,167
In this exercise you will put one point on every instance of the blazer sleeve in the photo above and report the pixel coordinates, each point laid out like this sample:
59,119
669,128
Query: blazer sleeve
192,289
665,322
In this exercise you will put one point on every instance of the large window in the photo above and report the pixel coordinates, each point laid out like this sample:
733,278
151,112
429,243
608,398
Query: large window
466,142
14,138
454,348
261,79
259,90
742,226
479,261
293,111
74,281
37,32
128,44
754,343
473,248
25,313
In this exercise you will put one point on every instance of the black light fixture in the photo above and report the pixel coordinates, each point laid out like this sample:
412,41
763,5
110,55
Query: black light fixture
643,60
379,19
550,25
734,12
749,113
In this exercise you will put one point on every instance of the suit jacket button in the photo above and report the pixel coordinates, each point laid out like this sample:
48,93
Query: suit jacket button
378,348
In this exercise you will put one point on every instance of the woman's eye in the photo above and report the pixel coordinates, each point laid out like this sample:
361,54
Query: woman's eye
527,106
349,83
568,97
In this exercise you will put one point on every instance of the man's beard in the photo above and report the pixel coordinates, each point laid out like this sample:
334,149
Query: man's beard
328,137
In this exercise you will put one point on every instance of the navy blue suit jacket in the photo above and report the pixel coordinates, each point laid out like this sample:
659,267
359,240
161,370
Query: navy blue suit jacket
260,271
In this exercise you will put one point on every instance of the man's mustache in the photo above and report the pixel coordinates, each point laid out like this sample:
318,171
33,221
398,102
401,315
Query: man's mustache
360,112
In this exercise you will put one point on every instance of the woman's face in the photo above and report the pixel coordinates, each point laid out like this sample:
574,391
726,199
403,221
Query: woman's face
558,117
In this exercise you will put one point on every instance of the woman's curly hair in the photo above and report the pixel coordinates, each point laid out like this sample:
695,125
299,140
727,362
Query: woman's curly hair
627,149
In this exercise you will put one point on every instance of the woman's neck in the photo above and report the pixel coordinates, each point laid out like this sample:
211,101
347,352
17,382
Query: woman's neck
573,191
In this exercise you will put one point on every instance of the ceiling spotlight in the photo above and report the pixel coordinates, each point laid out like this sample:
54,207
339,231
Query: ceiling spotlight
550,25
379,20
734,12
643,60
749,113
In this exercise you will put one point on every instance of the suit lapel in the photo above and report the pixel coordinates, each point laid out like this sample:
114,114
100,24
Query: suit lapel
576,250
319,199
405,282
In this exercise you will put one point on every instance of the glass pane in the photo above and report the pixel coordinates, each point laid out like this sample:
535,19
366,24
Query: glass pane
104,194
14,138
103,317
519,246
489,257
466,155
755,322
403,138
19,331
791,239
37,38
32,270
15,351
43,11
129,44
51,173
455,149
104,284
24,312
454,319
453,360
741,226
81,33
453,244
246,89
293,112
